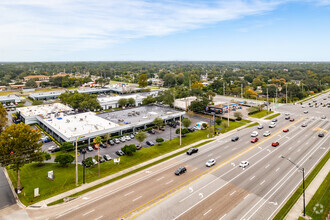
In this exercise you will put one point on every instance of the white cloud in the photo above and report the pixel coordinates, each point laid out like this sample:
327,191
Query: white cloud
41,27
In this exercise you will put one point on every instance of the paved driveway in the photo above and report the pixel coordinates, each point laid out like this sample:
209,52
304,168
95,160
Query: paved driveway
6,195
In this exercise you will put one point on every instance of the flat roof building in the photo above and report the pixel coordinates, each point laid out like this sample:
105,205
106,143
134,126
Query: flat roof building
10,99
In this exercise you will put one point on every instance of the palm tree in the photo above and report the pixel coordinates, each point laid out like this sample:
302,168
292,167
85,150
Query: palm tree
98,141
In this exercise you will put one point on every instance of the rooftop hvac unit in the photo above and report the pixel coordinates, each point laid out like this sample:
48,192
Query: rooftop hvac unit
67,120
81,119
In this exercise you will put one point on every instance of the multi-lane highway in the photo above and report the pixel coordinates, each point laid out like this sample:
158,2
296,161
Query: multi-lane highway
223,191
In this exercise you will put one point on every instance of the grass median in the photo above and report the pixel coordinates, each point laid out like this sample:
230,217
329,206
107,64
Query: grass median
261,114
273,116
295,196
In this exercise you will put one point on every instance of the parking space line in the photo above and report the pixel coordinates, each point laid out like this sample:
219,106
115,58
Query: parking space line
194,169
222,216
267,166
277,169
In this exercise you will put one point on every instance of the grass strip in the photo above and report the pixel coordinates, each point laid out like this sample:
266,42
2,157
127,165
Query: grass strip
273,116
261,114
295,196
252,125
126,174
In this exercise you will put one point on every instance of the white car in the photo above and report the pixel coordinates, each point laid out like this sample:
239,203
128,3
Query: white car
127,138
260,126
323,117
287,114
210,163
272,125
122,139
244,164
254,134
267,133
303,106
305,112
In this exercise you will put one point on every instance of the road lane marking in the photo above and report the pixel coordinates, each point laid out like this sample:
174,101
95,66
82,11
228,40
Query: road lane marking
277,169
169,182
217,157
267,166
160,178
129,193
290,148
262,182
299,150
232,193
207,212
210,155
88,212
246,196
226,147
252,178
137,198
99,217
222,216
194,169
233,148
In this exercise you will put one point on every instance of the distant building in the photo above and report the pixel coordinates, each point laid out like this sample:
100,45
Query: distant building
3,88
12,86
10,99
184,103
62,75
37,78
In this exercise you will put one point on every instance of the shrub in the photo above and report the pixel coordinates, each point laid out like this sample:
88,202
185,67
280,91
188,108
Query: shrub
88,161
159,140
67,146
64,159
129,149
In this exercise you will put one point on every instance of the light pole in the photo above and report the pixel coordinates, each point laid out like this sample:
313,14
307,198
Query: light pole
84,152
303,173
77,158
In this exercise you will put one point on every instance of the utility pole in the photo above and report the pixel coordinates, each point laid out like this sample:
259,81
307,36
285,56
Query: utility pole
228,113
180,129
224,89
241,91
77,161
267,101
286,94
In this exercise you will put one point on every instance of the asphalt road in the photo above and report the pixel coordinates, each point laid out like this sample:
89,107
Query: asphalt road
224,191
6,196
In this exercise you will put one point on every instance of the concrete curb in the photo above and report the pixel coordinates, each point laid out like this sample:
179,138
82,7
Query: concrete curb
13,189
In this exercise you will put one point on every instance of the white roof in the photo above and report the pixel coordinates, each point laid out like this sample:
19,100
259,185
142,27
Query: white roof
116,98
43,109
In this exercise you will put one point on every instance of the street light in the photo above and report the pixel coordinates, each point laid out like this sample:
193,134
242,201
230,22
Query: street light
79,137
303,172
83,152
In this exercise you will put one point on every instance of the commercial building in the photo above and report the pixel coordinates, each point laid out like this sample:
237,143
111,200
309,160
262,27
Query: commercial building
10,99
109,102
221,109
184,103
36,77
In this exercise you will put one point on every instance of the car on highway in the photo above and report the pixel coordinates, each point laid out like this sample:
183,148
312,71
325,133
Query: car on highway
287,114
275,144
285,130
266,133
274,120
287,117
292,119
180,171
303,125
254,134
210,162
244,164
260,126
254,140
272,125
192,151
323,117
321,134
150,143
89,148
305,112
107,157
234,138
120,153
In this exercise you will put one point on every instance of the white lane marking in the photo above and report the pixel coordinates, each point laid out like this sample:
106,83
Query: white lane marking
136,198
267,166
277,169
88,212
210,155
246,196
194,169
232,193
290,148
222,216
217,157
262,182
226,147
233,148
129,193
207,212
160,178
169,182
299,150
307,142
99,217
287,137
252,178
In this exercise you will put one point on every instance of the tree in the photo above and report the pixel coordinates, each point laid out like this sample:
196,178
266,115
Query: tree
148,100
129,149
218,121
122,102
199,105
186,122
19,145
197,85
204,125
131,101
158,122
107,137
80,101
238,115
140,136
183,131
3,118
250,94
31,83
67,146
42,157
225,125
143,80
88,162
159,140
169,80
64,159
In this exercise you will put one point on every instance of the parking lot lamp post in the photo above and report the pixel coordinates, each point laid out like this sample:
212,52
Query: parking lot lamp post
228,113
180,129
84,152
77,158
303,175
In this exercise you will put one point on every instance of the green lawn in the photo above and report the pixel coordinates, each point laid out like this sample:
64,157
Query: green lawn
252,125
293,199
273,116
233,125
320,201
261,114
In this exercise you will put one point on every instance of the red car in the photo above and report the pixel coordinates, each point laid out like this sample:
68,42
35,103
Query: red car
286,130
95,147
292,119
254,140
275,144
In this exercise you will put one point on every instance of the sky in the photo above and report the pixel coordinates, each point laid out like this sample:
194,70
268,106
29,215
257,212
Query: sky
164,30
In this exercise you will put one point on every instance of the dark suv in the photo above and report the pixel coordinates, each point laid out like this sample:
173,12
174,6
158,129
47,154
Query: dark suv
180,171
192,151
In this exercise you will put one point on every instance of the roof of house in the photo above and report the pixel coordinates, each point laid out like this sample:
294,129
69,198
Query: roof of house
35,76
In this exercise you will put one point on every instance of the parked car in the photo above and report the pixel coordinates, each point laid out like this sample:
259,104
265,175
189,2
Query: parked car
131,136
111,142
274,120
254,140
180,171
89,148
94,161
287,114
321,134
120,153
191,129
254,134
292,119
287,117
260,126
266,133
323,117
275,144
83,150
234,138
285,130
152,131
303,125
103,145
107,157
192,151
127,138
53,149
162,128
117,141
95,147
101,160
46,139
210,162
244,164
138,147
150,143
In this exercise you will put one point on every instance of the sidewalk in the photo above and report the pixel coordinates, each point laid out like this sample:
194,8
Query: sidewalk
297,209
96,182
